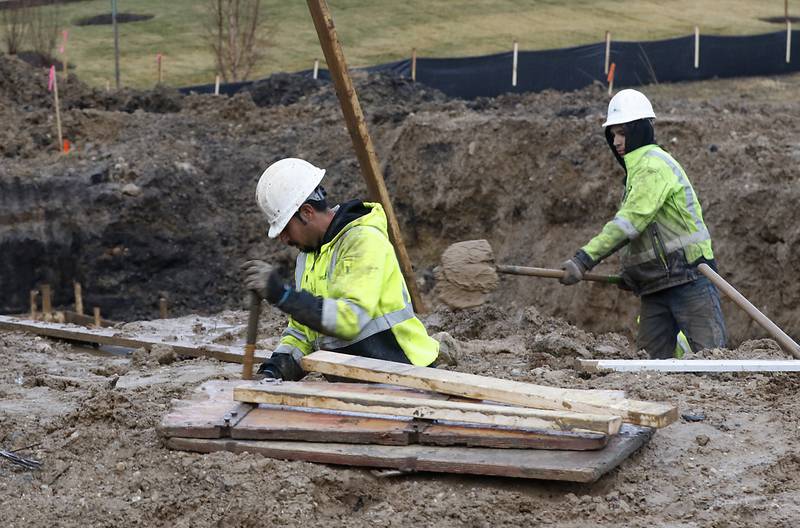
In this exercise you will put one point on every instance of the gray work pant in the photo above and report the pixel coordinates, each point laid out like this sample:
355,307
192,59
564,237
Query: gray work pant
692,308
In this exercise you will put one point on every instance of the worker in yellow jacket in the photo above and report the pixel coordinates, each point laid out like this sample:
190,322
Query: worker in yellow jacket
660,231
348,295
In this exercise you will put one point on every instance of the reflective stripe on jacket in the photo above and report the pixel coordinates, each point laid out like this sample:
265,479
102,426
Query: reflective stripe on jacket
364,293
661,222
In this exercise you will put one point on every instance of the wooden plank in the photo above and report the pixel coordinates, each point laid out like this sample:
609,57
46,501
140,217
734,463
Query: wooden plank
210,413
583,466
301,395
295,424
439,434
106,336
689,365
651,414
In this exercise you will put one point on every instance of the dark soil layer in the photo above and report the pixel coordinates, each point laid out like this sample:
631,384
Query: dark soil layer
158,197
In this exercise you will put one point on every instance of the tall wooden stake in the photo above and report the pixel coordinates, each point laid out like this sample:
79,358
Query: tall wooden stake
514,64
78,299
116,40
216,86
608,51
413,64
97,320
316,69
47,305
162,308
357,126
696,47
788,41
54,79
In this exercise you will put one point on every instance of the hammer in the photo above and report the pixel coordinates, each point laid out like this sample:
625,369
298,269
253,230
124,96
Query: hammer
252,332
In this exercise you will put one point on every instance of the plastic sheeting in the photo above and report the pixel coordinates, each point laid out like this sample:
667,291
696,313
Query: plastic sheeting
567,69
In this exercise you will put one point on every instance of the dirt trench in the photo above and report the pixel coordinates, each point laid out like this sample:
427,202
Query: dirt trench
157,199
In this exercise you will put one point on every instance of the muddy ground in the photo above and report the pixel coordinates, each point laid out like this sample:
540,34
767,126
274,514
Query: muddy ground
156,200
92,417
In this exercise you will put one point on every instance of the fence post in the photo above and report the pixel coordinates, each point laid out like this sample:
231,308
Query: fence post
158,65
608,51
316,69
162,308
514,66
413,64
788,41
696,47
216,85
78,298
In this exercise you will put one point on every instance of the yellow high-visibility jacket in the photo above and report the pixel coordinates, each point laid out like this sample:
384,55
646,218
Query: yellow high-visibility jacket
358,277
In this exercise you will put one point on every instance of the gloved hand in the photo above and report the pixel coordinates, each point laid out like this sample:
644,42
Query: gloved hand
576,267
281,366
264,279
573,272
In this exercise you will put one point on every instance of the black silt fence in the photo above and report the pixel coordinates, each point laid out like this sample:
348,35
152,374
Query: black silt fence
568,69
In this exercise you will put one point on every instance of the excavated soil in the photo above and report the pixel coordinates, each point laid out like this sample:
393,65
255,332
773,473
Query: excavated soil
156,200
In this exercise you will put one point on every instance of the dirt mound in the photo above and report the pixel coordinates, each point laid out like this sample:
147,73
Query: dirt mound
282,89
157,197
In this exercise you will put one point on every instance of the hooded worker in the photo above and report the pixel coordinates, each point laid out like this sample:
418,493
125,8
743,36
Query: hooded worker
660,231
348,295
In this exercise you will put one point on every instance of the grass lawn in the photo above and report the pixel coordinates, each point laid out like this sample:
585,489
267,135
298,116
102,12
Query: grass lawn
374,31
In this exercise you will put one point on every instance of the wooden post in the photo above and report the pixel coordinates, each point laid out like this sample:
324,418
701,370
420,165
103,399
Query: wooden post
788,41
53,84
97,316
608,51
47,305
413,64
116,41
162,308
696,47
216,86
514,64
34,309
78,299
357,126
158,66
63,50
316,69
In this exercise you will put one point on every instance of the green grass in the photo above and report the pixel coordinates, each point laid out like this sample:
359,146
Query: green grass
374,31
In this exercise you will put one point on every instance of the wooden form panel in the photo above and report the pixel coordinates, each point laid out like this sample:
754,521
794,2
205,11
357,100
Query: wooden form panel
341,399
651,414
574,466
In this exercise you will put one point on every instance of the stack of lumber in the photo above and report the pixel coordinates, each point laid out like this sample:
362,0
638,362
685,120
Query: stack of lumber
416,418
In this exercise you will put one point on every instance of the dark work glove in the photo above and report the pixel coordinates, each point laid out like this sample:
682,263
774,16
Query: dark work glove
276,290
256,275
575,267
281,366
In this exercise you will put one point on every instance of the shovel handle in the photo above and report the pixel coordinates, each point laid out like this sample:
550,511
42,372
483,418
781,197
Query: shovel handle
555,274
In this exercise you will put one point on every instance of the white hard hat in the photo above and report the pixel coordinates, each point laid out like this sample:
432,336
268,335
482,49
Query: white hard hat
283,188
626,106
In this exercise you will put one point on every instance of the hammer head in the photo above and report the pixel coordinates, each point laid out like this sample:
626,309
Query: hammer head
467,274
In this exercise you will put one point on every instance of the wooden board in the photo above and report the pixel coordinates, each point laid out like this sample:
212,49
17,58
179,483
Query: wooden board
107,336
689,365
651,414
203,415
574,466
295,394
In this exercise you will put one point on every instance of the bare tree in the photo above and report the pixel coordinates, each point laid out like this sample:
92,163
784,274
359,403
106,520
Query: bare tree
45,22
233,29
15,22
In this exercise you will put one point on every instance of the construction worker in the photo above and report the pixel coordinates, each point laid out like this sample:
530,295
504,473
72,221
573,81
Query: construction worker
348,295
659,228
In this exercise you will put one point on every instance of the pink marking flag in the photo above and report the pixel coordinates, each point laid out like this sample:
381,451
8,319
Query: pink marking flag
51,81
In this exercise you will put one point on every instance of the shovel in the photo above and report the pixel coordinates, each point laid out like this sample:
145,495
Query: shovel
468,274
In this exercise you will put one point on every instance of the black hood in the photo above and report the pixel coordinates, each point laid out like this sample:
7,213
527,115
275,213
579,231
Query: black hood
346,213
637,134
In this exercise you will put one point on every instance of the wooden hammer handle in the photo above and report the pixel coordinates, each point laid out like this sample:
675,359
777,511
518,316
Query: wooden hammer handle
554,274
